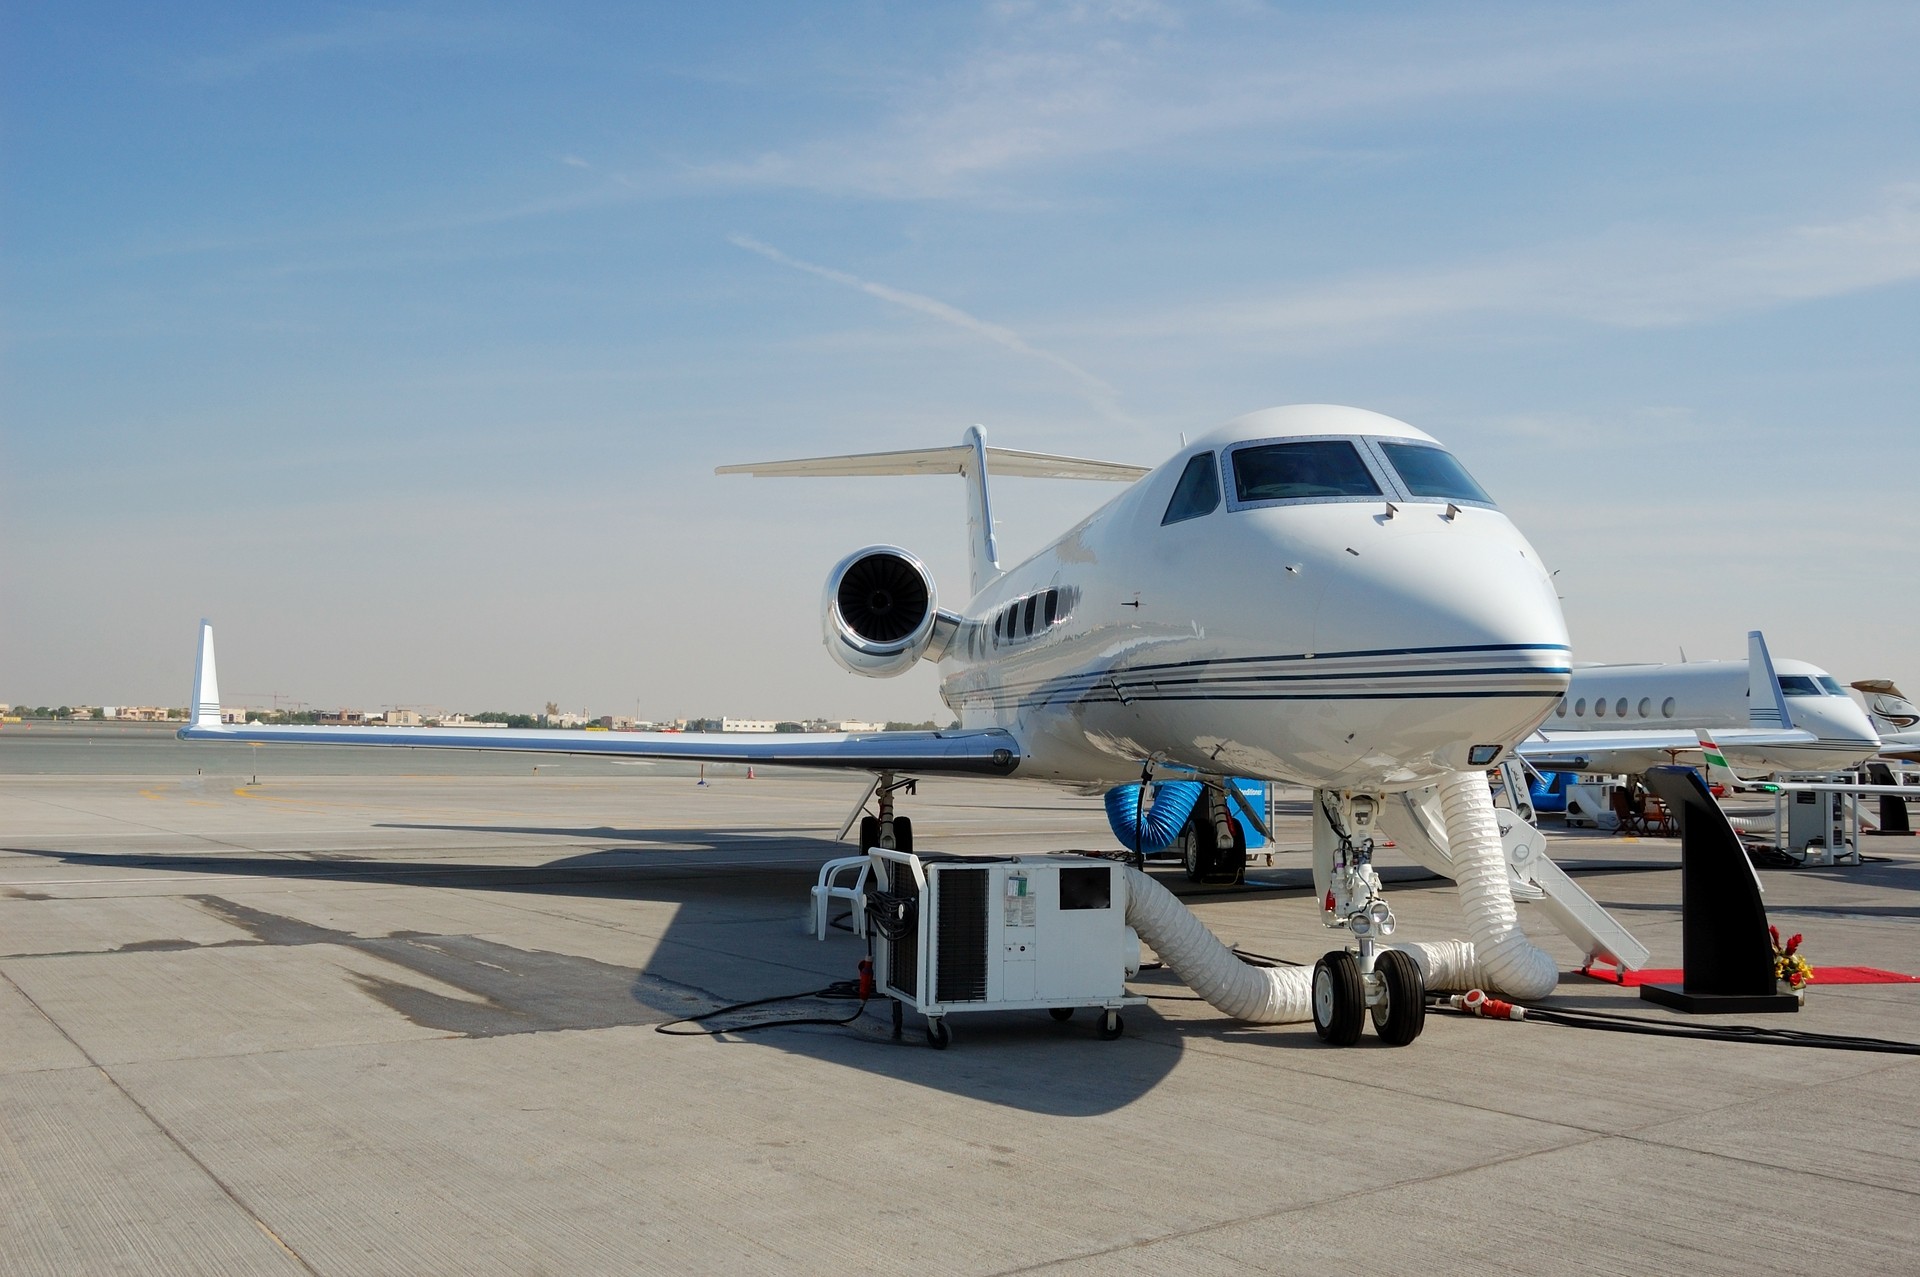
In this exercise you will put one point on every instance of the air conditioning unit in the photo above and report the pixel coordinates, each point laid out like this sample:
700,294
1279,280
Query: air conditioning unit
956,934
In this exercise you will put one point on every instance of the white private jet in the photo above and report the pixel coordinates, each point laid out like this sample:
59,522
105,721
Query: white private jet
1767,716
1312,595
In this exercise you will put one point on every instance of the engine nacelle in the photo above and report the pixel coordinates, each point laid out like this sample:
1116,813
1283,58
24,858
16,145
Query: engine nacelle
881,613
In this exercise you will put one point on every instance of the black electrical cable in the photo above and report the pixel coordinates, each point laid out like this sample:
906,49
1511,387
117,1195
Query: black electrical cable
1617,1022
839,990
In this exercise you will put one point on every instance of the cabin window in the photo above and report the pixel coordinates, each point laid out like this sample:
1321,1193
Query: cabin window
1053,607
1600,707
1033,607
1646,707
1432,472
1197,493
1620,707
1302,471
1560,710
1667,707
1580,708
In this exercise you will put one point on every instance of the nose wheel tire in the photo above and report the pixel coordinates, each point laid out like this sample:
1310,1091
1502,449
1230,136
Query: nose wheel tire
1403,1013
1339,999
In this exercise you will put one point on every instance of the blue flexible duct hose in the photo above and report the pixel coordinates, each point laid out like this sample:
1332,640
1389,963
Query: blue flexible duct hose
1161,822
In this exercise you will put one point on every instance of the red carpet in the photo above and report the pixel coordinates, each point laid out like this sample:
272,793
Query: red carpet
1821,975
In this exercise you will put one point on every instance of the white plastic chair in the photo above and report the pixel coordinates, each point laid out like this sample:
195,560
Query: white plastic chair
827,890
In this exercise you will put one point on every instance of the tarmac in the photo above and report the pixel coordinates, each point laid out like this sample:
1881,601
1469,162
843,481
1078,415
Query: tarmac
395,1012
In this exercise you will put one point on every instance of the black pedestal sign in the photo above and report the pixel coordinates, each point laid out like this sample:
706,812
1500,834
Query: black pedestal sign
1726,950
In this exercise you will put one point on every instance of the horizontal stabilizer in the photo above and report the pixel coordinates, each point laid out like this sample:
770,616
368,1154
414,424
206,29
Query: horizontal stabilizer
949,460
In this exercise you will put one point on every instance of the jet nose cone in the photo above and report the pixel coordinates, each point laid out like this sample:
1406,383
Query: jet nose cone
1463,636
1449,587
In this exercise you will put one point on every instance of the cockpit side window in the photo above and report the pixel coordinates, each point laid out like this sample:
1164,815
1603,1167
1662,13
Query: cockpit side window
1798,685
1197,493
1301,471
1432,472
1831,685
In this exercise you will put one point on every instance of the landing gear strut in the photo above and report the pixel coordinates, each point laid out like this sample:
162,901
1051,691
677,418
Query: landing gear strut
887,829
1349,986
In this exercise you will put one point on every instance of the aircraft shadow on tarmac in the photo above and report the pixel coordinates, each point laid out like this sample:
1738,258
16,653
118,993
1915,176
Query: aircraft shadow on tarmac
737,933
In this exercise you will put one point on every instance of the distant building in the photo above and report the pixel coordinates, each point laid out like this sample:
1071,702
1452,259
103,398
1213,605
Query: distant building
852,725
140,714
748,725
402,718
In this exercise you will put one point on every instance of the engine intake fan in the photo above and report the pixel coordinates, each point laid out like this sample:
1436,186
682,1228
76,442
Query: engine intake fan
880,612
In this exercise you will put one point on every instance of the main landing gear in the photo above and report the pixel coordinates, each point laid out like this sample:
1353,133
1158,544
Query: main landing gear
1350,987
1213,847
886,829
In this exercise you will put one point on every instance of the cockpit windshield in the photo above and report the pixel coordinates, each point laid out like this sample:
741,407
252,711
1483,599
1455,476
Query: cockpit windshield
1809,685
1295,471
1432,472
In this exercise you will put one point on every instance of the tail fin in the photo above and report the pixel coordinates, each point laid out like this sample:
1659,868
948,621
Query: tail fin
1766,705
206,685
1892,713
970,458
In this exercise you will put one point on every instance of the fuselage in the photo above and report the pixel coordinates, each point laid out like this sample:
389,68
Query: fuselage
1313,594
1713,696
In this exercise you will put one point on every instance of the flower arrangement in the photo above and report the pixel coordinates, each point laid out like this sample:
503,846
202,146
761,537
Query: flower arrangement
1788,965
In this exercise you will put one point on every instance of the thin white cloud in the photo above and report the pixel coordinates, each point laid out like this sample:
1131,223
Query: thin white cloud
372,32
1098,392
1641,278
1048,85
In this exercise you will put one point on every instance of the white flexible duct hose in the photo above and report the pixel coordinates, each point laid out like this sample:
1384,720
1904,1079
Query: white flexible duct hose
1500,956
1257,995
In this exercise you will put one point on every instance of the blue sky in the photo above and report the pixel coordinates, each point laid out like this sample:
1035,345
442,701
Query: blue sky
403,341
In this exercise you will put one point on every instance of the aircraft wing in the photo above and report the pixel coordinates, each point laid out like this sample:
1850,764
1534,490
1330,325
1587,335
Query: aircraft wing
1714,755
1629,749
989,752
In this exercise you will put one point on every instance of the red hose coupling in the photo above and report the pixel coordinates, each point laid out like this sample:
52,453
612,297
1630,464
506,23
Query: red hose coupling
1476,1002
866,978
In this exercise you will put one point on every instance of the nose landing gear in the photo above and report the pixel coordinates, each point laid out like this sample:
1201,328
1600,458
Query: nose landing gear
1349,987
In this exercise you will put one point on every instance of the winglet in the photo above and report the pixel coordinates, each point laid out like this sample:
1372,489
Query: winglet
206,686
1716,758
1766,705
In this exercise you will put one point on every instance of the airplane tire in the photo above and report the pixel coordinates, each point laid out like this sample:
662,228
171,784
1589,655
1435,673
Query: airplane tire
1400,1018
1339,999
1206,860
902,834
869,832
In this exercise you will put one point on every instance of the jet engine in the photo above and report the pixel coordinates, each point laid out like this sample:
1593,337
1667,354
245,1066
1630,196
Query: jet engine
880,613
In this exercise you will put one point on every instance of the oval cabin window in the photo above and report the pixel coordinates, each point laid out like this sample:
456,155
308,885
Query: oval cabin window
1666,708
1646,707
1580,708
1600,707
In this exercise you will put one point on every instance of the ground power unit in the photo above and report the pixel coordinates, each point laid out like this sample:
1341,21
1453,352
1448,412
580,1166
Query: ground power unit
953,934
